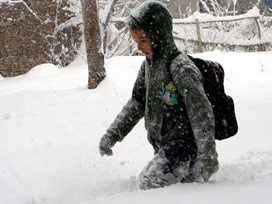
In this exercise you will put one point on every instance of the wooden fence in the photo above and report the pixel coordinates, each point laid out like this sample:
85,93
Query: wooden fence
198,21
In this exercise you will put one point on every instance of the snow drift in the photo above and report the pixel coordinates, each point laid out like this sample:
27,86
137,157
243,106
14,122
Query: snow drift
50,126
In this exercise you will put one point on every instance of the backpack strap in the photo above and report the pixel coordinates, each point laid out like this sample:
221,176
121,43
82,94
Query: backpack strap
174,55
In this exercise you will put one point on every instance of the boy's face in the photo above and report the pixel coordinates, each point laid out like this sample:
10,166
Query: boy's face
144,44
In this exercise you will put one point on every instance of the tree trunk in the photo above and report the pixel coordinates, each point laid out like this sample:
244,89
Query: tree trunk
107,22
95,56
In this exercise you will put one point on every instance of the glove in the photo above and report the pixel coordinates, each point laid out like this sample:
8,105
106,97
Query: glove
105,144
204,168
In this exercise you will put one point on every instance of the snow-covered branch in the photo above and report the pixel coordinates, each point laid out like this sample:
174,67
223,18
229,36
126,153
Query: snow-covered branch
109,13
208,18
75,21
25,4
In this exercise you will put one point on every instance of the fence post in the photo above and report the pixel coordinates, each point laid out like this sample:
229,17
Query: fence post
199,35
258,27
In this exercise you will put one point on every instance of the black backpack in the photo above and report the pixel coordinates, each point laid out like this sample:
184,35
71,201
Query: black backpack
222,104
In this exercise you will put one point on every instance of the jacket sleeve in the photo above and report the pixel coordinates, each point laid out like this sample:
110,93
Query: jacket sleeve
132,112
189,82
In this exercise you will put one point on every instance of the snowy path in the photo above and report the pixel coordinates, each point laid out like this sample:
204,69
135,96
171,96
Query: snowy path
50,126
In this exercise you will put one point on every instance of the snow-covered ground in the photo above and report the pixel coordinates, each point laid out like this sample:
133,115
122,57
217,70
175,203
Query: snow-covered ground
50,126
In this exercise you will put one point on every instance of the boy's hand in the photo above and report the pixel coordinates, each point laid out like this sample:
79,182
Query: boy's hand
105,145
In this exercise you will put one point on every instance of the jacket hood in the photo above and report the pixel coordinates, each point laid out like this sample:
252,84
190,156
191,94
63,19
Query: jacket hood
156,21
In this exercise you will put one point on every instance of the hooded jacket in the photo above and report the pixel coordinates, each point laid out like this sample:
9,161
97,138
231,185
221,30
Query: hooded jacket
168,93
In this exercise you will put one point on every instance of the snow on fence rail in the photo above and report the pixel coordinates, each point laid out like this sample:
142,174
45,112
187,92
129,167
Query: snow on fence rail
201,19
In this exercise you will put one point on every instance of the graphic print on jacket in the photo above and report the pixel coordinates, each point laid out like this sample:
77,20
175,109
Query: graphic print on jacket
170,94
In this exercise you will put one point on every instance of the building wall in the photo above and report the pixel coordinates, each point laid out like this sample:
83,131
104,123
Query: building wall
27,40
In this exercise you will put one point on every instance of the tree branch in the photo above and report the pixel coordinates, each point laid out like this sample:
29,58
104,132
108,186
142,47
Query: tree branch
23,2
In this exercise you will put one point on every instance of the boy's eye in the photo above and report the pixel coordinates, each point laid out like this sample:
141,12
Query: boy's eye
143,41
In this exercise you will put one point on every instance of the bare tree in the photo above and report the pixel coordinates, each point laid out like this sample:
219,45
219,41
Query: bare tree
107,23
213,6
95,56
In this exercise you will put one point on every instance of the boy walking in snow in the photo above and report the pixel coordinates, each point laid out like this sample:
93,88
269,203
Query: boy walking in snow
169,94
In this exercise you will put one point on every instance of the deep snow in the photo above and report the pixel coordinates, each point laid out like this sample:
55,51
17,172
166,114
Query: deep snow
50,126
